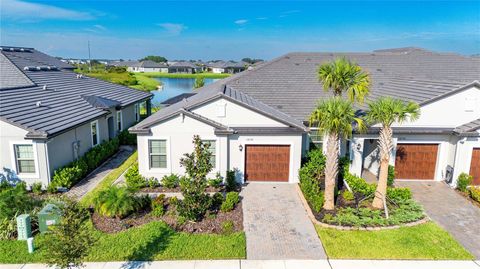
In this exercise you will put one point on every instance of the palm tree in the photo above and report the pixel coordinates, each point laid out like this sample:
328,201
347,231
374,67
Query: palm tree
342,75
386,111
334,118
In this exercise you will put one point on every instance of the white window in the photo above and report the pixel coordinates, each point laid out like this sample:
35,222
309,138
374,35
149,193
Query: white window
24,159
119,121
94,132
157,150
137,112
212,147
316,139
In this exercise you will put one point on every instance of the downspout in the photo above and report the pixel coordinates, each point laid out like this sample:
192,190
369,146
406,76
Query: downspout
48,161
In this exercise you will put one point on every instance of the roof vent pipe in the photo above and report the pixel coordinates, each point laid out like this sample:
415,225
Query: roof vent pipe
45,87
38,104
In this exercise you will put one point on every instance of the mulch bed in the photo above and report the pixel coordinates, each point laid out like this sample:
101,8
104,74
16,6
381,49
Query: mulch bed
467,196
162,189
211,223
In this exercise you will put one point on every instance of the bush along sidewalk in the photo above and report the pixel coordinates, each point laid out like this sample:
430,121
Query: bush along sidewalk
72,173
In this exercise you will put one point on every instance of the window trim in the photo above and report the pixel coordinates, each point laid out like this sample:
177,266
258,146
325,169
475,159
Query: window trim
14,167
98,133
119,112
214,139
147,156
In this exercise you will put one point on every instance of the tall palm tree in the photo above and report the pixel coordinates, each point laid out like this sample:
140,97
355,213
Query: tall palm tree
342,75
386,111
334,118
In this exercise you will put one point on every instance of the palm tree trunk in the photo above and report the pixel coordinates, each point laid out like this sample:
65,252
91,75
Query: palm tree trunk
331,170
385,144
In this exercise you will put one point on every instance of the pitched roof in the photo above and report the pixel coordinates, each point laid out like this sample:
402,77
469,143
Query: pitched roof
100,102
151,64
56,102
183,64
468,128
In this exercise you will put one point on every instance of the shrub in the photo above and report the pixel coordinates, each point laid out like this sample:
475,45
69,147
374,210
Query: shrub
399,194
391,175
310,175
228,227
8,228
116,202
215,182
170,181
348,195
52,188
37,188
15,200
475,193
463,181
230,181
217,200
152,182
133,179
231,200
126,138
158,205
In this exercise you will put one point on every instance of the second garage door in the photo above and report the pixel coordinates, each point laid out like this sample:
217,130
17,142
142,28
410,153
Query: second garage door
416,161
475,166
267,162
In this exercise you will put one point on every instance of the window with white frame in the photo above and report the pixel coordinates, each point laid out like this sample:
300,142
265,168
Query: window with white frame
94,133
119,121
24,159
137,112
212,148
316,139
157,150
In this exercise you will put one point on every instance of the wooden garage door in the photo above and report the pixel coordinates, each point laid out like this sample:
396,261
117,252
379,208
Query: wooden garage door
416,161
267,162
475,166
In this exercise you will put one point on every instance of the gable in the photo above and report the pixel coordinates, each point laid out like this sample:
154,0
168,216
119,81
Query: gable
181,124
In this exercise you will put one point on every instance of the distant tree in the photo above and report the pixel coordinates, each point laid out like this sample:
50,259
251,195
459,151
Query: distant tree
69,241
251,61
199,82
157,59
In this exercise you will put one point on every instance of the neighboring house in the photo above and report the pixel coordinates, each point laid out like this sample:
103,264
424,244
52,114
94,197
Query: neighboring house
227,67
50,116
143,66
257,120
183,67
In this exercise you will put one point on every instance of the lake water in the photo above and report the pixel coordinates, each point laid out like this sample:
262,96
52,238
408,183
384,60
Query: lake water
175,86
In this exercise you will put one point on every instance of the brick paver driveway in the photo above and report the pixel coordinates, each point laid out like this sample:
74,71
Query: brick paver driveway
276,224
450,210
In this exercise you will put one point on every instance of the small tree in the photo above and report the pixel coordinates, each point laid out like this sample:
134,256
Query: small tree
197,165
199,82
69,241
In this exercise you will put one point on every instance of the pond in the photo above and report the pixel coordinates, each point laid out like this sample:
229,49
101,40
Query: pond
172,87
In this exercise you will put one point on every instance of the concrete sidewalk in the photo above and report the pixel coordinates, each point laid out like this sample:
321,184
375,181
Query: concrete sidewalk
271,264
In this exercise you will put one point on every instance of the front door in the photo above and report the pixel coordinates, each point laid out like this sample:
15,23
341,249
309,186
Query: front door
111,128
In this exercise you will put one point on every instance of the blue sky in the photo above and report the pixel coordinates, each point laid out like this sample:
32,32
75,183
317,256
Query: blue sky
233,29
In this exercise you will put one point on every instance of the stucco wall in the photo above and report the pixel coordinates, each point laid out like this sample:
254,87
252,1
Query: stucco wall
463,156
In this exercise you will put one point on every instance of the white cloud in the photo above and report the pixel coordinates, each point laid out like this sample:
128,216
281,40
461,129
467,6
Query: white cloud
20,10
172,28
241,21
100,27
262,18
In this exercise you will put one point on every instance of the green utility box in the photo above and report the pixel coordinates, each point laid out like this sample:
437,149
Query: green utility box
24,227
49,215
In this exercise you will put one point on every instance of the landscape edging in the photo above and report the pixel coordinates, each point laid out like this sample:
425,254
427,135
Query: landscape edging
310,214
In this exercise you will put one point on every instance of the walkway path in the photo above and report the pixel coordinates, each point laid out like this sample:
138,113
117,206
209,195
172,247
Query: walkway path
449,209
95,177
277,225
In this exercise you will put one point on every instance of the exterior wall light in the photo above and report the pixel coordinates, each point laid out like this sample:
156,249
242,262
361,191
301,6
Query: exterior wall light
240,147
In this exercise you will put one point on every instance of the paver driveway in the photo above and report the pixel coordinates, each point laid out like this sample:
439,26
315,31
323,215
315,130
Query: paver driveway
449,209
277,225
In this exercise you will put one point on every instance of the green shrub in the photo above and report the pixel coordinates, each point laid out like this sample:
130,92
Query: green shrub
231,200
230,181
158,206
215,182
116,202
126,138
133,179
228,227
152,182
463,181
399,194
217,200
474,192
170,181
15,200
37,188
348,195
391,175
311,174
8,228
52,188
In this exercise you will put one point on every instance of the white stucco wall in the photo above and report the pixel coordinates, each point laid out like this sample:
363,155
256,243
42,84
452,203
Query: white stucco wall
463,155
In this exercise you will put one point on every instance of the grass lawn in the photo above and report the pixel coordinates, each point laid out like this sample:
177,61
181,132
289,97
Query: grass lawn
145,83
425,241
87,200
178,75
153,241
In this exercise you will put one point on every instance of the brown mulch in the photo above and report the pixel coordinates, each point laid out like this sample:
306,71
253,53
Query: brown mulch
162,189
467,196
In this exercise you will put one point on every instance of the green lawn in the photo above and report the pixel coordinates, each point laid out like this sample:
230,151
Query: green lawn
145,83
178,75
153,241
425,241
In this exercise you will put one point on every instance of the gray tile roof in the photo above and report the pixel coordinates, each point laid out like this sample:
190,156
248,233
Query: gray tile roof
183,64
55,103
12,77
470,127
100,102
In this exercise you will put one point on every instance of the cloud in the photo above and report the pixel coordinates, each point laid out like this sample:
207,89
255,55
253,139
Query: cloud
288,13
97,28
241,21
20,10
172,28
262,18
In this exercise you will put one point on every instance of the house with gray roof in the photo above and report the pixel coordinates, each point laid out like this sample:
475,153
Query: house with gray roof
50,115
183,67
143,66
229,67
256,121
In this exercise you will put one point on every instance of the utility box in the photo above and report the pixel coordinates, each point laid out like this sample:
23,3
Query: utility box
24,227
49,215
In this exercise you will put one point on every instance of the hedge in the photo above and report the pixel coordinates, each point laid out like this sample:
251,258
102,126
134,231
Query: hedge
310,174
70,174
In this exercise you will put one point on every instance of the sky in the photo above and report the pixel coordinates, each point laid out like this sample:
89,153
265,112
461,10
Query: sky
232,30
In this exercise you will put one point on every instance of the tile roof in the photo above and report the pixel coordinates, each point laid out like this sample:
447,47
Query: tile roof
470,127
183,64
55,102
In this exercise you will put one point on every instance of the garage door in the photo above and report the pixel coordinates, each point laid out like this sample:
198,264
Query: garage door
416,161
267,162
475,166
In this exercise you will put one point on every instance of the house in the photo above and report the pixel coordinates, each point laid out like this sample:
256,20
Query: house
229,67
183,67
143,66
257,121
50,116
